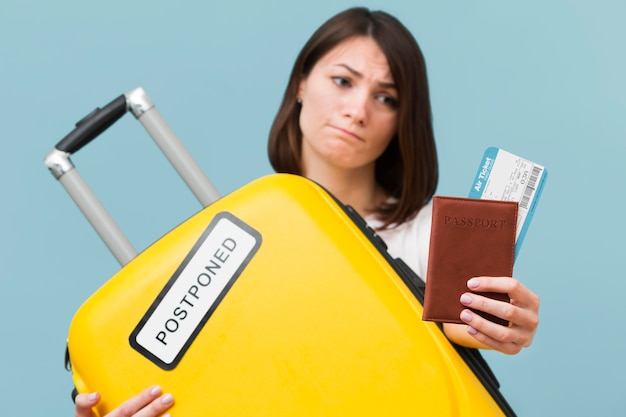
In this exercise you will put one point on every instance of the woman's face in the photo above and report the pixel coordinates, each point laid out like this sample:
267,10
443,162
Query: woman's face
349,107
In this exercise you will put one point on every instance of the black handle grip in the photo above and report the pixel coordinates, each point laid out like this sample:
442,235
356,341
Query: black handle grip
90,126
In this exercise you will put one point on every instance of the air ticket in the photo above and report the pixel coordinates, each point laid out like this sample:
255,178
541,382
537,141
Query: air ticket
504,176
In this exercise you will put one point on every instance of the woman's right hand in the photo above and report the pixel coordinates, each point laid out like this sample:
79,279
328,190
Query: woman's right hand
151,402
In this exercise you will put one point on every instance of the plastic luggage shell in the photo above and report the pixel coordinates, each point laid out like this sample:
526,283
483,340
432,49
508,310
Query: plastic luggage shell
318,320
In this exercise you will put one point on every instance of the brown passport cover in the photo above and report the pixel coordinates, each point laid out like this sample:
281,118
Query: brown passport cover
470,237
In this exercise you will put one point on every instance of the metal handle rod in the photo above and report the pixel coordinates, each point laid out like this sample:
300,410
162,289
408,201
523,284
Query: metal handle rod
165,138
179,157
97,215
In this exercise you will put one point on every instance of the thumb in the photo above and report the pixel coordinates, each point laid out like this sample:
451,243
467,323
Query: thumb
84,404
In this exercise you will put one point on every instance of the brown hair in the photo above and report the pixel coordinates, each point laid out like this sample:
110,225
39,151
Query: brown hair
408,169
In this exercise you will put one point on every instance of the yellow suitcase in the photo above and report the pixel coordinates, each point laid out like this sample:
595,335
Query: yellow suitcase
275,300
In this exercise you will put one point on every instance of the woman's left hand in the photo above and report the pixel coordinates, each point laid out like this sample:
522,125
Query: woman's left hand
522,313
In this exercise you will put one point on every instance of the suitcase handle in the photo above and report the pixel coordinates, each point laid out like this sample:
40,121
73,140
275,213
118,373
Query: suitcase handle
88,128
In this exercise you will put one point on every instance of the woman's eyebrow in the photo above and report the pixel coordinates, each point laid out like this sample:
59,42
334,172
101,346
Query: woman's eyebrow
359,75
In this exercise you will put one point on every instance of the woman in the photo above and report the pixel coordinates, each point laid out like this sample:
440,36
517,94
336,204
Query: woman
356,118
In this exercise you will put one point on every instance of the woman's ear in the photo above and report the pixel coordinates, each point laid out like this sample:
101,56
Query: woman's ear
301,88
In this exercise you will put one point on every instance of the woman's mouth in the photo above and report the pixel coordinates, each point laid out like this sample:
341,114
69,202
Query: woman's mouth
348,133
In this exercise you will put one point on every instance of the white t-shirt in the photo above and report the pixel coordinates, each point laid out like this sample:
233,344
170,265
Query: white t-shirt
410,240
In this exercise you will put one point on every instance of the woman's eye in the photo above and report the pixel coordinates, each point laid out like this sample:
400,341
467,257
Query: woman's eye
341,81
388,101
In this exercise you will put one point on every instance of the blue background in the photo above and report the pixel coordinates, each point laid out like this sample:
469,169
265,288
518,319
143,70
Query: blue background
544,80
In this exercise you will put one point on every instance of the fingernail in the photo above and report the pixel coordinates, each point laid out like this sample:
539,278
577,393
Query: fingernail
155,391
466,316
473,284
92,396
167,399
472,330
466,299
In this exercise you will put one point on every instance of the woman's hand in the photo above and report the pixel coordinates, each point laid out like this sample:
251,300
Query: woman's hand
151,402
522,313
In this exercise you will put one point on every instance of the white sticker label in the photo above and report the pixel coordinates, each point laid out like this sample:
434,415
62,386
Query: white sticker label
195,290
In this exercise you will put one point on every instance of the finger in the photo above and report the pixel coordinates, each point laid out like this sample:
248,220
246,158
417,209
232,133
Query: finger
523,321
84,404
501,338
507,339
501,309
519,294
492,284
509,348
148,403
156,407
524,317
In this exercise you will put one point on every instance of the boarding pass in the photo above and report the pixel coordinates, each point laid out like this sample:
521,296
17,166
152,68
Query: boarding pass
504,176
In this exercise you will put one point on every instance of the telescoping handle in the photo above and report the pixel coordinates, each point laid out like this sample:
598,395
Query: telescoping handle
59,163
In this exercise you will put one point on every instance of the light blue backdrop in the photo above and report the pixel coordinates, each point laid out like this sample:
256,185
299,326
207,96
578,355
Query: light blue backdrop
544,80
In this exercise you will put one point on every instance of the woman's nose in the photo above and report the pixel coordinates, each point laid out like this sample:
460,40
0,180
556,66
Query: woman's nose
356,108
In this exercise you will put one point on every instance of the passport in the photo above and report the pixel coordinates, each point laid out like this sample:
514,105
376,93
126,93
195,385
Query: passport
469,237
